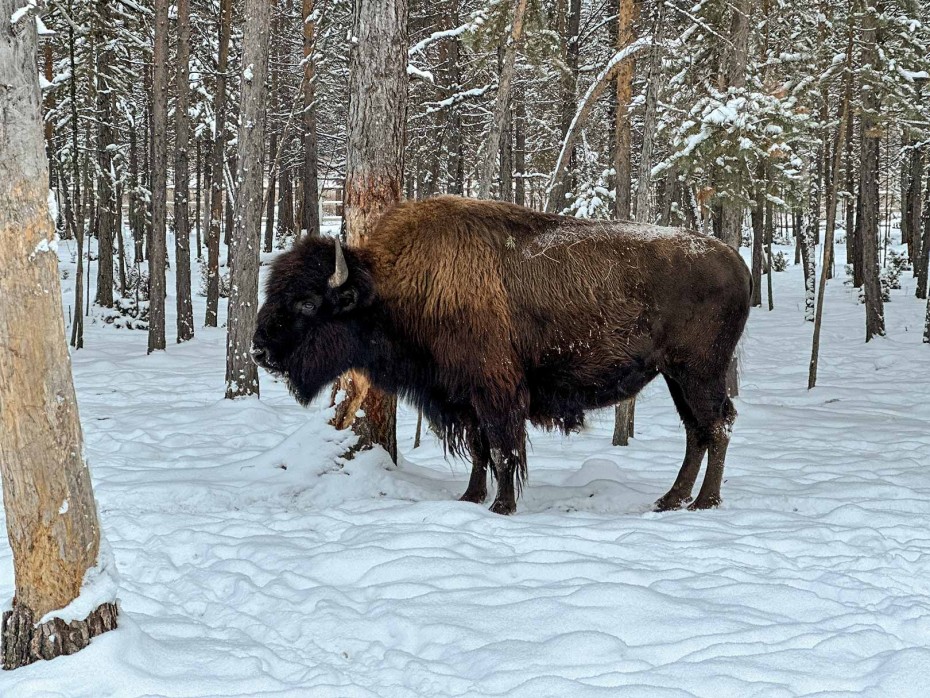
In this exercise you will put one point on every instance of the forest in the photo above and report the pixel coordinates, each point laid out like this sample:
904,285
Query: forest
215,538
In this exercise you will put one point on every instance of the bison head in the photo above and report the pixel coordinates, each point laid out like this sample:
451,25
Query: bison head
310,328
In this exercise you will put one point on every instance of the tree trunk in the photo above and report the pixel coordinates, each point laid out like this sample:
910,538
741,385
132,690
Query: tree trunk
923,262
833,179
375,173
159,176
217,162
569,87
51,516
106,204
519,153
286,224
758,237
73,209
622,151
502,101
241,371
868,176
310,209
182,229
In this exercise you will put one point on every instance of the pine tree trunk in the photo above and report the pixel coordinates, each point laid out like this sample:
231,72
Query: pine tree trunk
310,208
519,153
182,230
217,162
622,132
159,183
571,19
923,260
41,461
502,101
375,173
106,198
868,177
286,224
241,371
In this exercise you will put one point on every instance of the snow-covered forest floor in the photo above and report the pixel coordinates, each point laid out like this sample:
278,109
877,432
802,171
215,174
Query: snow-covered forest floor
254,562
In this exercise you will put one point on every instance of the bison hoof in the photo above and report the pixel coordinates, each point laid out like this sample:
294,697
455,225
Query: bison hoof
503,508
474,497
711,502
670,502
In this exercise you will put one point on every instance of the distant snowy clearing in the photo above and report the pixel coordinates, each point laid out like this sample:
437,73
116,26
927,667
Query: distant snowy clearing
254,562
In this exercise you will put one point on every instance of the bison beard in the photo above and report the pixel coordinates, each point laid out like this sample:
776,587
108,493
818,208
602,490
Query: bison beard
487,315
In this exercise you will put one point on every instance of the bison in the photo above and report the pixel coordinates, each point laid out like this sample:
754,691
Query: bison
488,314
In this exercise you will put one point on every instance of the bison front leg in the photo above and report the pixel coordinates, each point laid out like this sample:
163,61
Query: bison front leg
480,451
510,469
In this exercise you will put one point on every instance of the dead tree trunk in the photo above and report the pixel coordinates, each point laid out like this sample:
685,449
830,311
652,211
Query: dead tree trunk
241,371
502,101
159,180
217,163
51,516
182,226
375,175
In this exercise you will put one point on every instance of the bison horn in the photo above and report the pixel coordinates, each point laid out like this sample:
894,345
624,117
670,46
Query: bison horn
341,275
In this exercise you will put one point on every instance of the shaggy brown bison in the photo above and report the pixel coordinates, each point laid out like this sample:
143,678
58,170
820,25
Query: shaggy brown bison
487,315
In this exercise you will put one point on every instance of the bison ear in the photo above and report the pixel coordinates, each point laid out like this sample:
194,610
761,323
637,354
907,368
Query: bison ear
346,299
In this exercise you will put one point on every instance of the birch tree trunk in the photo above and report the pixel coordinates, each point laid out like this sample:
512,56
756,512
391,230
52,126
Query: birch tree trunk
159,180
245,241
374,176
182,229
217,163
50,511
502,101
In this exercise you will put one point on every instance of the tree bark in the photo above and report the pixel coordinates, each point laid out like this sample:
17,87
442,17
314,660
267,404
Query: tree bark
375,174
217,163
50,511
834,176
241,371
106,204
569,87
159,183
622,139
868,175
923,260
502,101
182,229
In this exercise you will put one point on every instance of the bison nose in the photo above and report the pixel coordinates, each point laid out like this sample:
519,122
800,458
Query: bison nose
259,354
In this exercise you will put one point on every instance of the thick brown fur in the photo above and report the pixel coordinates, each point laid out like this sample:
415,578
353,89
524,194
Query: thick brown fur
488,314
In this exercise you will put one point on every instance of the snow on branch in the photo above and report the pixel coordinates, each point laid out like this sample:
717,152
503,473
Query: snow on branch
594,91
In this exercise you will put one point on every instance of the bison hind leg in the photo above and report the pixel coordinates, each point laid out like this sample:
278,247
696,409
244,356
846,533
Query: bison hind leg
708,416
480,451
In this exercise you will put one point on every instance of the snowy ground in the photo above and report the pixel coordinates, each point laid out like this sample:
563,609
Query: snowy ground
254,563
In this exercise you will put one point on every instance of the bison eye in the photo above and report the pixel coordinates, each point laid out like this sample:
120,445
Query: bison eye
307,308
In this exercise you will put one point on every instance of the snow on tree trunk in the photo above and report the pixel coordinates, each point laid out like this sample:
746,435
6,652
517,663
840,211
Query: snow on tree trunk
182,229
502,101
159,180
50,511
374,176
245,242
